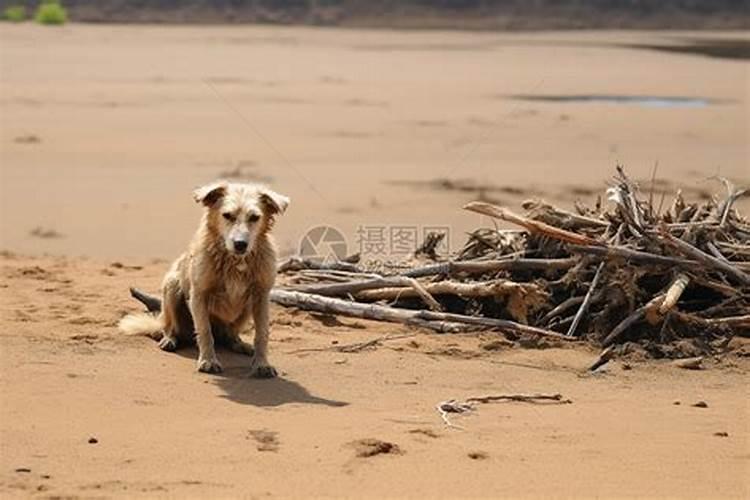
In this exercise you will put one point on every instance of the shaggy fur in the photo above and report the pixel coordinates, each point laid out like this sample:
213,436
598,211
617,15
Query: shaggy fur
222,280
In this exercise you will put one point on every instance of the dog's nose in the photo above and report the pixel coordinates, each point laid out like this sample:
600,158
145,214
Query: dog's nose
240,246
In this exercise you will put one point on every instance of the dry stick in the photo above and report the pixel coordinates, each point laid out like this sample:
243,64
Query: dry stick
586,301
699,255
715,251
524,398
320,303
580,220
561,308
631,319
604,357
299,263
674,292
355,347
635,256
454,406
731,321
480,289
732,195
354,287
532,225
452,268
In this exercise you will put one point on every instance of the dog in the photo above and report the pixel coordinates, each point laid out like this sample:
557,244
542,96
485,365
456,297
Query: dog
225,276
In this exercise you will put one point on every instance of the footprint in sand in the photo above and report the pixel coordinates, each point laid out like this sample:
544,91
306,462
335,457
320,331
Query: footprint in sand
370,447
265,440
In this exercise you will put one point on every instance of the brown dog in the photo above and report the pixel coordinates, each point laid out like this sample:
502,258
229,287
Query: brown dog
224,277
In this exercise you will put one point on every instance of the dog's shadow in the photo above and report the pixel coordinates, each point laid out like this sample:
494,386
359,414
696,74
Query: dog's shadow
240,387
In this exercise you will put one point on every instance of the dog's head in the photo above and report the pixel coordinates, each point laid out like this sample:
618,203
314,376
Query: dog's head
240,213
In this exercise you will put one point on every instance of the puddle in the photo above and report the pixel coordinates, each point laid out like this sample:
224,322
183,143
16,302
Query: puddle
718,48
639,100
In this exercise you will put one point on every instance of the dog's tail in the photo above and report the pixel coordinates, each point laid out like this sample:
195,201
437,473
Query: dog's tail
142,324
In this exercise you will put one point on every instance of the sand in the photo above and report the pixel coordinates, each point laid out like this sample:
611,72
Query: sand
106,129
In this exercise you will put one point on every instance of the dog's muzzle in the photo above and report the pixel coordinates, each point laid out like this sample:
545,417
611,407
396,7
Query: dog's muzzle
240,246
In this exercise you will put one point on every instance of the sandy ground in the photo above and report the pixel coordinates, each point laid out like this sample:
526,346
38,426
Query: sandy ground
163,429
130,119
106,129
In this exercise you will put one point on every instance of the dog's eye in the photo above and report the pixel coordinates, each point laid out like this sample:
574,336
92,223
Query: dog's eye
253,217
228,216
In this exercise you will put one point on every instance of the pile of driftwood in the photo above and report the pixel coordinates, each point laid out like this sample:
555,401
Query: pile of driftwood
629,270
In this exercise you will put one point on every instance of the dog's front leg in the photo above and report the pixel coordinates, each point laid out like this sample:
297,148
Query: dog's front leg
207,360
260,368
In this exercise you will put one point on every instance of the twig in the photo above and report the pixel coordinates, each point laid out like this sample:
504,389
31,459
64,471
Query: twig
586,301
469,405
357,346
523,398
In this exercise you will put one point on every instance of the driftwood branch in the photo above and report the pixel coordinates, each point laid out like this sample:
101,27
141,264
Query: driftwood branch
496,288
531,225
312,302
704,258
453,268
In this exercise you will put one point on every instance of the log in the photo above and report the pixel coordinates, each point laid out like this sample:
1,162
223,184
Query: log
319,303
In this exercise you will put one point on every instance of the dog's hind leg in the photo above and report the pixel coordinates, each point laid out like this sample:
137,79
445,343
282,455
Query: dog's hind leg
170,313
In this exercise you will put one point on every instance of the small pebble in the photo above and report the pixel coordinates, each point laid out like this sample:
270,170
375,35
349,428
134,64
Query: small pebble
701,404
93,440
23,469
626,366
677,403
721,434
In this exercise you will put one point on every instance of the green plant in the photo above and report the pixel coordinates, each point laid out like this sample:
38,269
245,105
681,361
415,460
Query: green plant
15,13
51,12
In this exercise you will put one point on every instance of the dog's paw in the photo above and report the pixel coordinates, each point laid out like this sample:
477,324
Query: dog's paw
168,344
262,370
209,366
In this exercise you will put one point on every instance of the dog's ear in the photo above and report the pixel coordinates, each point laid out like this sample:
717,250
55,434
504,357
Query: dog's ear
210,193
273,203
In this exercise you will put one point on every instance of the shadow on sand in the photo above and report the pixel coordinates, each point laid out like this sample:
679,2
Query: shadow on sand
239,387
